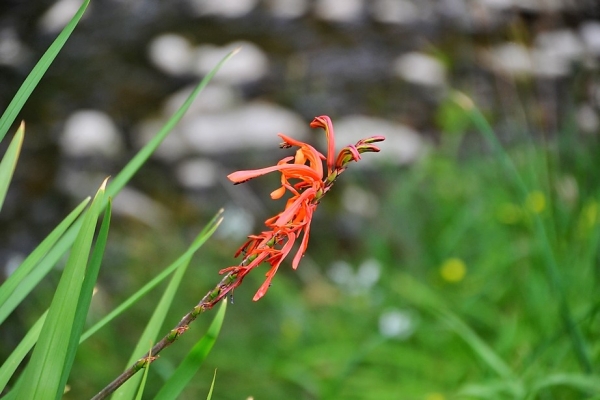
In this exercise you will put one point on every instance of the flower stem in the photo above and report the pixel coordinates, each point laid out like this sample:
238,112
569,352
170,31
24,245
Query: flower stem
226,285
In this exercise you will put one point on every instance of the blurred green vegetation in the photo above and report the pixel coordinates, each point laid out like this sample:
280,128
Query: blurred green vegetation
462,304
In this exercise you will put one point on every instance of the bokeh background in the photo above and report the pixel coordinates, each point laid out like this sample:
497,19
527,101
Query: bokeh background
423,260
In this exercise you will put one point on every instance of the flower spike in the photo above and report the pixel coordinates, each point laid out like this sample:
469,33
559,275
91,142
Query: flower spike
303,176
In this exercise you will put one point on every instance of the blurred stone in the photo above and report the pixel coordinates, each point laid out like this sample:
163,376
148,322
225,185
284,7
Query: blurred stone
360,202
394,11
223,8
90,132
511,58
587,119
252,126
249,64
339,11
214,98
12,51
171,53
590,34
554,51
402,144
420,69
288,8
135,204
237,223
61,12
172,148
198,173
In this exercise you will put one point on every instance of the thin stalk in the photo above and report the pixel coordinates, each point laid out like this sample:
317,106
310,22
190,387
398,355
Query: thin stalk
226,285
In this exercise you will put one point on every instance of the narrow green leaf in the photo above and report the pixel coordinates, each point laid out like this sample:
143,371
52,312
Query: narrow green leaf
12,362
38,72
212,385
9,366
116,185
131,168
16,278
202,237
424,298
87,289
578,342
140,390
9,162
584,383
191,363
43,373
127,391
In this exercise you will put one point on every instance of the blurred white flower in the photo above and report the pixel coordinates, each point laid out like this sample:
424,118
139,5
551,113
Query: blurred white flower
397,324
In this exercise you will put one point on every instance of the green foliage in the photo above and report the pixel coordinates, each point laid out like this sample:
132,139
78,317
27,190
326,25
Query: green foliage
56,335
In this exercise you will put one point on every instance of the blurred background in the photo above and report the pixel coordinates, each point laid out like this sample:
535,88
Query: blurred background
424,262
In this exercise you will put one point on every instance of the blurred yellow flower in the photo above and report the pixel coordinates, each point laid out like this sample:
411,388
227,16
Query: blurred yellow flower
453,270
590,213
509,213
536,201
434,396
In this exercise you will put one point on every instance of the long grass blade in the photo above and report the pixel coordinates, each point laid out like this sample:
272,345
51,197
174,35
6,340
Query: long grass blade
38,72
128,390
212,385
202,237
9,162
9,296
42,375
580,346
65,242
13,361
87,289
191,363
131,168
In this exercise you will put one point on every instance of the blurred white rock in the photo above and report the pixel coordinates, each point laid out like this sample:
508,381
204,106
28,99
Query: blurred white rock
549,64
554,51
587,119
252,126
59,14
197,173
214,98
420,69
223,8
90,132
173,147
511,58
564,42
590,34
12,51
135,204
402,144
359,201
237,223
288,8
248,65
497,4
339,11
394,11
171,53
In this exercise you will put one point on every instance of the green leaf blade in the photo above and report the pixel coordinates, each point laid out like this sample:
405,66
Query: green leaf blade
9,162
44,371
191,363
38,72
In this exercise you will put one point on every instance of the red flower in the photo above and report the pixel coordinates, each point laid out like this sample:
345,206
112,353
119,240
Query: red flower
301,175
